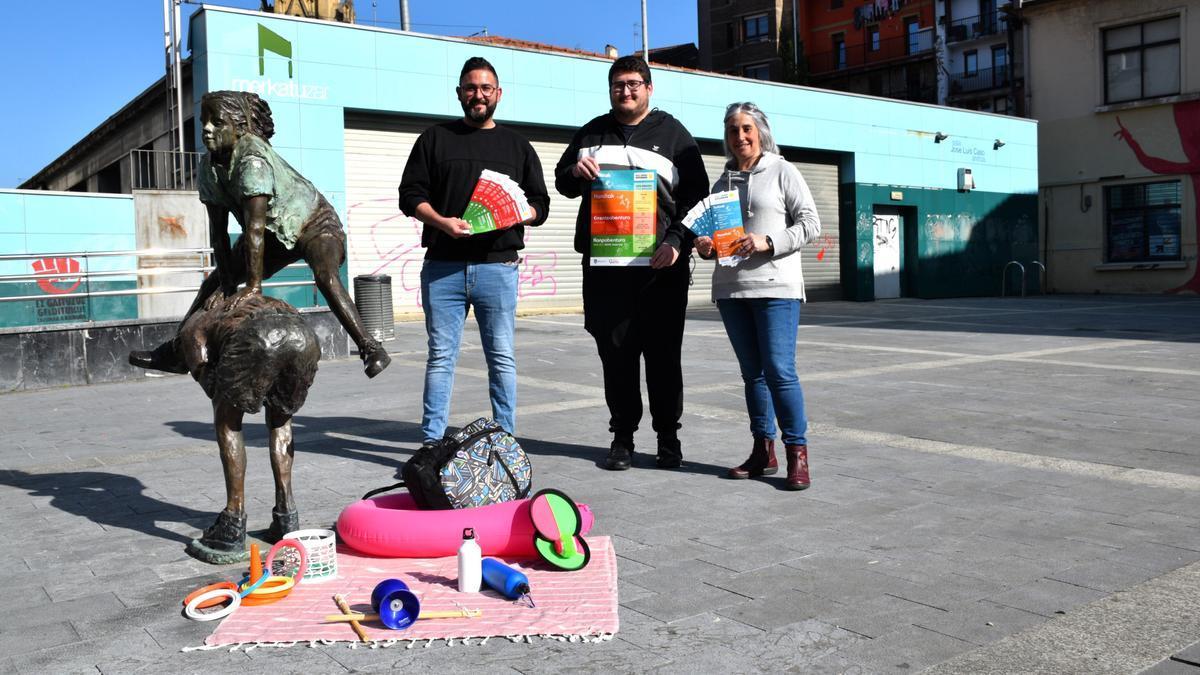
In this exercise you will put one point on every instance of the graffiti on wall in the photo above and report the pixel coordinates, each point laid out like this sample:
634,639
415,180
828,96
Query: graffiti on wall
394,247
825,242
1187,122
59,276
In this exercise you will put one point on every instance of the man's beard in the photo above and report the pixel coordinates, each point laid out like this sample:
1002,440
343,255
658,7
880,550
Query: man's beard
476,116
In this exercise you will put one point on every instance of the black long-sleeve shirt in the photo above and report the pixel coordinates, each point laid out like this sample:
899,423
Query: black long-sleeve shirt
444,167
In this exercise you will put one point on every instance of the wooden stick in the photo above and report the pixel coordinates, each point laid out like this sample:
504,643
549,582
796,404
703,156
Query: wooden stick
432,614
358,629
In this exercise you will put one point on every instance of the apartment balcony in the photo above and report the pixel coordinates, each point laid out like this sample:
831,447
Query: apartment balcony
982,79
975,27
867,55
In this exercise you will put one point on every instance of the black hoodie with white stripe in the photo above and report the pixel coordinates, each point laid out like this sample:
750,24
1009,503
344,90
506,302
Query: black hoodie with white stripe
659,142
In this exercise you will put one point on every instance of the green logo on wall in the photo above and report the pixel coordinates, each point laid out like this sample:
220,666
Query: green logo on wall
270,41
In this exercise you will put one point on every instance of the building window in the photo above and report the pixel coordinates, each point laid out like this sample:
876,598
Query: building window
873,38
729,41
839,51
970,63
1143,221
760,71
1000,65
754,28
912,25
1141,61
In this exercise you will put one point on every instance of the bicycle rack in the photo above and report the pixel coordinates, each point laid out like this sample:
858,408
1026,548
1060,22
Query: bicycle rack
1041,275
1004,278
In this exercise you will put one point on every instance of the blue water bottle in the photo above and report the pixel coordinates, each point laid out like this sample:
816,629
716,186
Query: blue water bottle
507,581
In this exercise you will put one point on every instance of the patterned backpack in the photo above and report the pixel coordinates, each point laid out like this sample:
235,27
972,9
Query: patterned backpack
478,465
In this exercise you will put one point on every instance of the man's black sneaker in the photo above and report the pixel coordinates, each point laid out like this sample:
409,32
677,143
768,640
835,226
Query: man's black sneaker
670,454
620,456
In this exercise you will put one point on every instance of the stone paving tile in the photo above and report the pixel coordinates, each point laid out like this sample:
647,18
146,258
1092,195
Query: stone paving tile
1156,558
909,649
1171,667
697,599
1047,597
128,651
99,604
780,609
1189,655
1102,575
28,638
677,577
880,615
981,622
763,582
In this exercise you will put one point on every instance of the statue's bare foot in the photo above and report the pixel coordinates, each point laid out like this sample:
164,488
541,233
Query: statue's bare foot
375,358
222,543
164,357
281,524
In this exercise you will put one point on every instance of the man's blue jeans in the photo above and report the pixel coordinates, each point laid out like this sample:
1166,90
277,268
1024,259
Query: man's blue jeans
448,289
763,334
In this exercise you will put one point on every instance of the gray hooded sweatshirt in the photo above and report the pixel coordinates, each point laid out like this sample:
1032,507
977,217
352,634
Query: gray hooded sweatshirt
776,202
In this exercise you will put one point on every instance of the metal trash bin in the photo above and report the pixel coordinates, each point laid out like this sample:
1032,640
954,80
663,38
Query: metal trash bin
373,297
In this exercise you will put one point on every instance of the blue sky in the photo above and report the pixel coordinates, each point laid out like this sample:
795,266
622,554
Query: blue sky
67,66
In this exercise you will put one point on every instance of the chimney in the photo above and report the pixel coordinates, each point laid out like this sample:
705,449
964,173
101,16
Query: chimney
610,51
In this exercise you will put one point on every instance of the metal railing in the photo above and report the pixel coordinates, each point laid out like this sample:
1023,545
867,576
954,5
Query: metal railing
986,78
68,275
973,27
163,170
868,54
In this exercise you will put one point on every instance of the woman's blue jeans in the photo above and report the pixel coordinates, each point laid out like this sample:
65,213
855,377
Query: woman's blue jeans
763,334
448,290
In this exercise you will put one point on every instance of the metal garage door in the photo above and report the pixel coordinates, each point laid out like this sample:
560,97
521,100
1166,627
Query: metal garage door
382,240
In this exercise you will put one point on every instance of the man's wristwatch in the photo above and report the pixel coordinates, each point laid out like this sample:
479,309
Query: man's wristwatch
770,244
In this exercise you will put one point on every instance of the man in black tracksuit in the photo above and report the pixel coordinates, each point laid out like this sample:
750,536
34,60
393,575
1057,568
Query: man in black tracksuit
637,312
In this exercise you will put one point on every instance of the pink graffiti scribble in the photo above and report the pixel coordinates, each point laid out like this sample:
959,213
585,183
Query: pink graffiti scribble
403,259
535,277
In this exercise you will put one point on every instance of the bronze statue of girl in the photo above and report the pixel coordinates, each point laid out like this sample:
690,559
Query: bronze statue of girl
284,219
253,353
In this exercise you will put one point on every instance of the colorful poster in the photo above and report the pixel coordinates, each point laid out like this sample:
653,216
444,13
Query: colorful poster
497,202
718,216
624,218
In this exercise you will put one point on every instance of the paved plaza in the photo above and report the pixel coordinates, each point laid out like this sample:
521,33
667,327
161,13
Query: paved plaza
999,485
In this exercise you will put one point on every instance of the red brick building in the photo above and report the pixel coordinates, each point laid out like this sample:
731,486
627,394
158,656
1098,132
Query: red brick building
880,47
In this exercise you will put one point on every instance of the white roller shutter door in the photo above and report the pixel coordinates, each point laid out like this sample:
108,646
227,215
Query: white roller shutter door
382,240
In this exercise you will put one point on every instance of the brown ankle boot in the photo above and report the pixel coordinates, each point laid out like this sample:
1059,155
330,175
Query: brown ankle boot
761,462
797,467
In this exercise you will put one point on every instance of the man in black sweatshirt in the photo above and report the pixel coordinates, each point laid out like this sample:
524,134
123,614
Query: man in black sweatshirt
462,270
637,312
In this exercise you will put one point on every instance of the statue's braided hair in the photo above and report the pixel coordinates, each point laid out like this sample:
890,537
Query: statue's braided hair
245,110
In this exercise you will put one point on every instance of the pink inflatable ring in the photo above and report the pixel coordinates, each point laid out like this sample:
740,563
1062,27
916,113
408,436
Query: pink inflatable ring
392,526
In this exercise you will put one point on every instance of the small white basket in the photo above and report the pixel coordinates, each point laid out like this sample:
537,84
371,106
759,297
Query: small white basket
321,548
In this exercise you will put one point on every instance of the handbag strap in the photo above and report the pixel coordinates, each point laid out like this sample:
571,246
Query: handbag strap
521,494
381,490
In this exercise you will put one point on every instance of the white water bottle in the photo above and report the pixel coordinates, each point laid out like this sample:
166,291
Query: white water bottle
470,563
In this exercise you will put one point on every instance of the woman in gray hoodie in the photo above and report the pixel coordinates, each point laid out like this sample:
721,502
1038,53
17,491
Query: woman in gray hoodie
759,297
